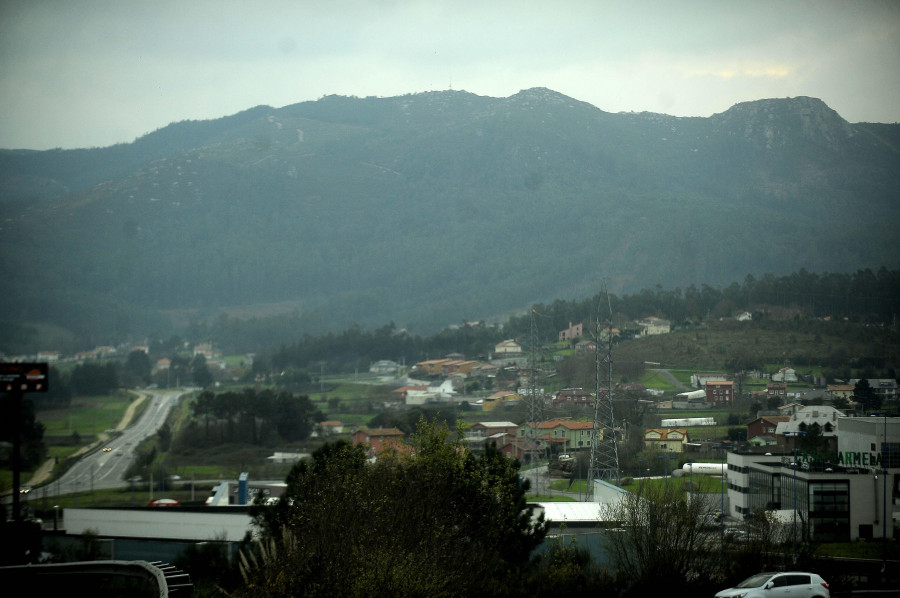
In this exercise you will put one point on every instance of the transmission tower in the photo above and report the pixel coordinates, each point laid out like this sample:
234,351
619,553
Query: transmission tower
535,397
604,464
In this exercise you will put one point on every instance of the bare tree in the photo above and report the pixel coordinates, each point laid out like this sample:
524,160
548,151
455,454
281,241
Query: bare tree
762,549
665,538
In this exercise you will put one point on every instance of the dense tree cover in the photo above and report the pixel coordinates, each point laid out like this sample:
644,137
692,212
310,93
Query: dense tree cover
434,521
88,379
866,396
136,369
94,378
407,420
255,416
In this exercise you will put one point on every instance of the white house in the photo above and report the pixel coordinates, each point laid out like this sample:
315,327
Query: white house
507,347
653,326
419,396
383,367
785,375
826,417
442,390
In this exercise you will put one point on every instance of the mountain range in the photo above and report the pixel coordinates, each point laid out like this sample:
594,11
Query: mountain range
429,209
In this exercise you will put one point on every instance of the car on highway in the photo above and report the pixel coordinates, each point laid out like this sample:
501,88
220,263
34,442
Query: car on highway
796,584
107,449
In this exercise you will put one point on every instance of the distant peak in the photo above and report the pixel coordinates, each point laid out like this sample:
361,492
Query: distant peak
769,104
773,122
543,94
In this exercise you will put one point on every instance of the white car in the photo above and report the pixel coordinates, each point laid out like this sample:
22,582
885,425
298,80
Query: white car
795,584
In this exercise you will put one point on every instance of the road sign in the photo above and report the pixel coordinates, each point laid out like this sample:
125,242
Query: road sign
23,377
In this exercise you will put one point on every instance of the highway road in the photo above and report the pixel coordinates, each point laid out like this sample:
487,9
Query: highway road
102,469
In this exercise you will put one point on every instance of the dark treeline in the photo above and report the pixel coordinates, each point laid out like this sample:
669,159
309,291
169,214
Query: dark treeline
356,348
865,296
88,379
257,417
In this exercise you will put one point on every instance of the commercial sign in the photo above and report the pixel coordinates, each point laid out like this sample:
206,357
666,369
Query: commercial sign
841,458
23,377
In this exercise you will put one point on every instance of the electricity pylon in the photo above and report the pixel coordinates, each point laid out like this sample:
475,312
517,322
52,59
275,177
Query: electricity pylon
604,463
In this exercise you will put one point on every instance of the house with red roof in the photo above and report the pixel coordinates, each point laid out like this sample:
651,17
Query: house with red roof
377,440
666,439
563,435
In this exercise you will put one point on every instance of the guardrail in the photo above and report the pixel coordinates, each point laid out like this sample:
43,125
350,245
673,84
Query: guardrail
99,578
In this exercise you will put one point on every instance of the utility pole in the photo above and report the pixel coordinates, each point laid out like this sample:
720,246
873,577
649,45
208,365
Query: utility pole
535,405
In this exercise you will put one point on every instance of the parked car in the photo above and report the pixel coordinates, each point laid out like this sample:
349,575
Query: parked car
775,585
736,535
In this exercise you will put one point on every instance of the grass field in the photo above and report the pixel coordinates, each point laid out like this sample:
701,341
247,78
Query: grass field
705,484
683,376
86,415
656,380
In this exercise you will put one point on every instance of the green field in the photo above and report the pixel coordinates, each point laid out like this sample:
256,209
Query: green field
86,415
656,380
705,484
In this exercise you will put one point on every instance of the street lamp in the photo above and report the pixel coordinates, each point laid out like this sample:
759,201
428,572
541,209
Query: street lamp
665,456
723,448
691,462
794,466
884,498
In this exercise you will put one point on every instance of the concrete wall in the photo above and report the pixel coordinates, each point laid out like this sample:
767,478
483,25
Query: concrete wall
164,522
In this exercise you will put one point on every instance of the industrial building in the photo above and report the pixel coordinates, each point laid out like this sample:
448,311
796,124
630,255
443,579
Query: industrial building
833,496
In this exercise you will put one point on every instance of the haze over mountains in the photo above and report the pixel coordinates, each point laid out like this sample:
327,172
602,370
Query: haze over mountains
432,208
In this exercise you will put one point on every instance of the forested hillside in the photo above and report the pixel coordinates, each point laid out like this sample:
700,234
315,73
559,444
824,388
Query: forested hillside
433,208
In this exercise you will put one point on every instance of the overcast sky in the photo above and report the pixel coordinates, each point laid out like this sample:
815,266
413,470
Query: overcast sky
92,73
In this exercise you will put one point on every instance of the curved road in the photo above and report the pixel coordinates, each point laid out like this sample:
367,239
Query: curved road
106,468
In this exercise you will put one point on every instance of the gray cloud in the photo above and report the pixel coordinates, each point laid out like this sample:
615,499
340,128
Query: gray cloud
94,73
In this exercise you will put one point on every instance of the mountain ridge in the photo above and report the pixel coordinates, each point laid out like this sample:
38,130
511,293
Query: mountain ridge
426,209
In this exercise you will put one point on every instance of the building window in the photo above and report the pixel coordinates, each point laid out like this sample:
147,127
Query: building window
829,511
890,452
